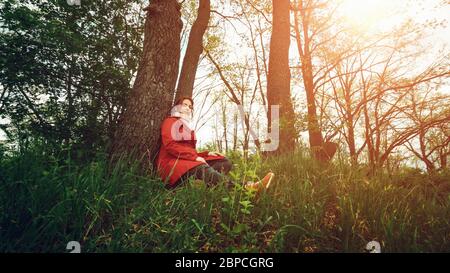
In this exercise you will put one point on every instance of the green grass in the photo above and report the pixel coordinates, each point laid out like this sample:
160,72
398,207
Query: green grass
47,201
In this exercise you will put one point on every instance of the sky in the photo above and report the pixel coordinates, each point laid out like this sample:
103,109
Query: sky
366,16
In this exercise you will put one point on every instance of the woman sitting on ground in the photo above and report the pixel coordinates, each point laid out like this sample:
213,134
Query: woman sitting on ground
178,159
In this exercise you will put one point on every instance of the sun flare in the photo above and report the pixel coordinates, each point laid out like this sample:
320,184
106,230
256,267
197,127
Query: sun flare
364,13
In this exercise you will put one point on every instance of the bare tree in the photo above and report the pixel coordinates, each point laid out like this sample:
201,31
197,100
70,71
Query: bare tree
194,49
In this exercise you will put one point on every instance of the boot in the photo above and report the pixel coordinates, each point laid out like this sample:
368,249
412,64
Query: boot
262,184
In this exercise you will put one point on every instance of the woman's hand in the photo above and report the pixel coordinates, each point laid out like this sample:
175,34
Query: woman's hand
201,159
215,153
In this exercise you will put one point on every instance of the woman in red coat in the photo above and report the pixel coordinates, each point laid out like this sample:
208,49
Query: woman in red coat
178,158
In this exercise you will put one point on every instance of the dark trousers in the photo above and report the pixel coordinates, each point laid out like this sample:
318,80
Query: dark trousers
212,175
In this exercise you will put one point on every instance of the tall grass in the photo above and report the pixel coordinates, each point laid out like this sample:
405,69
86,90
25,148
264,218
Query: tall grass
48,200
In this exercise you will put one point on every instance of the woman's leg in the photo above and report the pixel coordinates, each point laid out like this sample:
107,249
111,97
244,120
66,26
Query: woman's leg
210,175
221,165
206,173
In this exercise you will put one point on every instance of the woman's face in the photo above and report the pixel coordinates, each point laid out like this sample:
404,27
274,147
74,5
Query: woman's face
186,106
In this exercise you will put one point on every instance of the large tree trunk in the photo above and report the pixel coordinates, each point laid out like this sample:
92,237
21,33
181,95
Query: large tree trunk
193,51
151,97
279,76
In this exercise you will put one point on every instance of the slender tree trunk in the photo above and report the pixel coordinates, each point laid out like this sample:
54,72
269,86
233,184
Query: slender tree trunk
368,134
350,127
70,109
377,132
443,158
423,150
225,129
304,48
193,51
315,134
279,76
151,97
235,132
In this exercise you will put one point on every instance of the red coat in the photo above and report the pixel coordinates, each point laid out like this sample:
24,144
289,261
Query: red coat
177,153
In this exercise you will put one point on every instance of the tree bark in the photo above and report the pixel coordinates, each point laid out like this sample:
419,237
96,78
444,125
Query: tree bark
279,76
194,50
138,130
314,131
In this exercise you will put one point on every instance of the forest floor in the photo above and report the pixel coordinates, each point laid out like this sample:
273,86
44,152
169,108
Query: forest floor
47,201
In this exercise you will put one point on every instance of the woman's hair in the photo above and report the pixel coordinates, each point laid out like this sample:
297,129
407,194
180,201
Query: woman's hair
180,101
